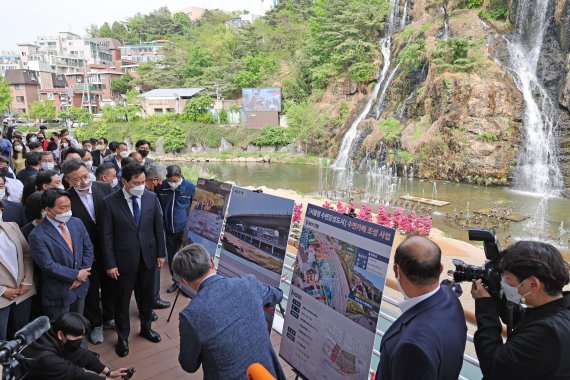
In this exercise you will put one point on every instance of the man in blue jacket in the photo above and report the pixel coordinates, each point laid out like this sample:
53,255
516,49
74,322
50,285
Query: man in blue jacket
175,196
223,329
427,341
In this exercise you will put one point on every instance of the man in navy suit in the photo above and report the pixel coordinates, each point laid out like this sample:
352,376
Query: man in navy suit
121,152
86,203
427,341
223,329
133,245
61,248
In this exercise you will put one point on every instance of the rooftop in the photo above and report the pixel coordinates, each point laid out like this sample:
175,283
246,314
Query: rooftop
171,93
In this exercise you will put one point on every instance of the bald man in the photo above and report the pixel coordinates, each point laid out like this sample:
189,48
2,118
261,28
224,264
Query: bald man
427,341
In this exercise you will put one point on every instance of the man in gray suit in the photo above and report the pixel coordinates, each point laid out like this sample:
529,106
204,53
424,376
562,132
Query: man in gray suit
223,328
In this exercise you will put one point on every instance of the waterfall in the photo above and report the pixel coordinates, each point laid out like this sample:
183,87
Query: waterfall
537,166
343,160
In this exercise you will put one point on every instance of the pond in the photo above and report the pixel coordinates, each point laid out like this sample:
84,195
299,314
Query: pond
548,219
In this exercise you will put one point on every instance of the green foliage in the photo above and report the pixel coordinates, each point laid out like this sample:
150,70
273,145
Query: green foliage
79,115
470,4
457,54
488,137
391,128
404,156
307,125
413,55
362,71
5,96
122,84
273,136
495,10
223,117
406,33
425,27
44,109
257,68
198,110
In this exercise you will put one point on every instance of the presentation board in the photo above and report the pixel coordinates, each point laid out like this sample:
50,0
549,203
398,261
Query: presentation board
336,292
206,216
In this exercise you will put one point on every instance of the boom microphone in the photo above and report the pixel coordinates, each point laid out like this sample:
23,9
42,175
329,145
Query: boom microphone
258,372
24,337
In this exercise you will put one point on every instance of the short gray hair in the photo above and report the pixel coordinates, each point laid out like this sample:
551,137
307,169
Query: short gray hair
71,165
191,262
156,171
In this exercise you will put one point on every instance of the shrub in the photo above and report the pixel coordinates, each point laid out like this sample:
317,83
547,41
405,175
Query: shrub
412,56
488,137
273,136
470,4
404,156
391,129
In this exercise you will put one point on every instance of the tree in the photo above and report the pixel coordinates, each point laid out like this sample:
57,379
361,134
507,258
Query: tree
44,109
79,115
122,84
257,68
105,31
198,110
5,96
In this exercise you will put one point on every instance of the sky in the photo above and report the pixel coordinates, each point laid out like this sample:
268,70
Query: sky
24,20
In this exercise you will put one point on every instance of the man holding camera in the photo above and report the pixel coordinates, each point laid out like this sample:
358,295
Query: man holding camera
539,344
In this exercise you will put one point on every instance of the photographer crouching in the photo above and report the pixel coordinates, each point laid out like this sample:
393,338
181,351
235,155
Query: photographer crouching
539,344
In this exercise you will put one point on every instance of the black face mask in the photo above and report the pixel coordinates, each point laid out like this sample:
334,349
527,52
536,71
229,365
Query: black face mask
4,172
72,345
143,153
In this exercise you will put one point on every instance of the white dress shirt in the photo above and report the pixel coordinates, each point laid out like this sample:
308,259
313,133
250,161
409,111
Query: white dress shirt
129,199
406,305
86,198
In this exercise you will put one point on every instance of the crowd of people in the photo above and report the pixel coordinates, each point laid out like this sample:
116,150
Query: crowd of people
85,225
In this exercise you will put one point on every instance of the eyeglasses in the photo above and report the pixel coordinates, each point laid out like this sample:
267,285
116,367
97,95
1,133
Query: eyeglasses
77,179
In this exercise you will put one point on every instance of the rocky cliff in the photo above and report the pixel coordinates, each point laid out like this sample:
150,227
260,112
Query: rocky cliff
453,110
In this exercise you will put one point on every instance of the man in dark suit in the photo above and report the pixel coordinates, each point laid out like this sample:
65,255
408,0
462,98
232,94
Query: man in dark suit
32,167
133,245
427,341
121,152
224,343
61,248
13,212
86,203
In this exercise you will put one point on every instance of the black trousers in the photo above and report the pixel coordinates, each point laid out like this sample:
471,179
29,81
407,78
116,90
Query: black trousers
101,295
173,244
142,282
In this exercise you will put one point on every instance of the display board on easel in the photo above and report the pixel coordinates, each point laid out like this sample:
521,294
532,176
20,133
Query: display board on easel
336,291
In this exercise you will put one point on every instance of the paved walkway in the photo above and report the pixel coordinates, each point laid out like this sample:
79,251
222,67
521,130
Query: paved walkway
158,360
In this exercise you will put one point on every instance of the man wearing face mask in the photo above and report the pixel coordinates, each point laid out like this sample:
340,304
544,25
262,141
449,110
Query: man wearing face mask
61,248
59,356
133,246
175,196
115,159
539,344
143,148
428,339
106,173
47,161
86,203
14,188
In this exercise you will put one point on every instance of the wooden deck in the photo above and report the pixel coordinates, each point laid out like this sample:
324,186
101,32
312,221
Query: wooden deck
158,360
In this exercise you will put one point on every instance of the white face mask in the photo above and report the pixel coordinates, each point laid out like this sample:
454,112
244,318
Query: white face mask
18,148
523,300
64,145
124,154
64,218
47,165
400,287
115,182
174,185
89,164
2,193
0,216
137,191
60,186
84,187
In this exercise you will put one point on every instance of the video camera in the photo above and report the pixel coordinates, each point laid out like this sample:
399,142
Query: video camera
491,272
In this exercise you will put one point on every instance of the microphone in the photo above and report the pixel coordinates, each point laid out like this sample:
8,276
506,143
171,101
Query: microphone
257,371
32,331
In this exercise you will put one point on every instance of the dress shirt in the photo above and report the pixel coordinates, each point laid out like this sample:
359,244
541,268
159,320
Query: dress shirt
9,253
129,199
86,198
406,305
55,223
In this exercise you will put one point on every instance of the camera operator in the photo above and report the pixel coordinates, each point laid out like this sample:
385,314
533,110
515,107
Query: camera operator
59,355
539,343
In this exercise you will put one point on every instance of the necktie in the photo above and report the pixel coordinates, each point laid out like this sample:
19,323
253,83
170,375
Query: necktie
66,235
136,210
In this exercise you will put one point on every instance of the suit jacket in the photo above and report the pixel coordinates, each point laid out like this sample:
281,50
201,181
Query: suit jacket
99,191
427,341
13,212
25,266
26,173
227,343
113,160
58,264
124,243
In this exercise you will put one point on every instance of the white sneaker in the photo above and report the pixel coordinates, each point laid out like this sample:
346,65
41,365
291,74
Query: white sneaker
96,336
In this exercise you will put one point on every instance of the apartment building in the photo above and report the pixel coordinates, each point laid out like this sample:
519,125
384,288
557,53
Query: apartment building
24,86
9,60
144,52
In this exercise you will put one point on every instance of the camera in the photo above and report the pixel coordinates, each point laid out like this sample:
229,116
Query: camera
491,272
130,373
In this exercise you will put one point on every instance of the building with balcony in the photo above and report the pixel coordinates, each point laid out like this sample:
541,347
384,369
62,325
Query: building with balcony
9,60
24,86
166,100
82,97
145,52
